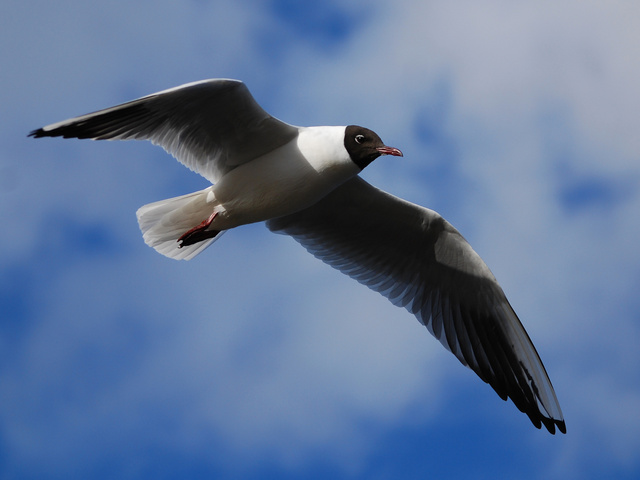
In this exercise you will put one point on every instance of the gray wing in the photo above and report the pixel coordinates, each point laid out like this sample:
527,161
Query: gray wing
416,259
210,126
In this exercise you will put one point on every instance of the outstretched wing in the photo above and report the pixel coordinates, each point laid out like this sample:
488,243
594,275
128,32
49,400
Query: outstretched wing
210,126
419,261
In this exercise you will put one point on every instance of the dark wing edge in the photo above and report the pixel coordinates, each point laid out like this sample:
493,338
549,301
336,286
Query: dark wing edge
416,259
211,126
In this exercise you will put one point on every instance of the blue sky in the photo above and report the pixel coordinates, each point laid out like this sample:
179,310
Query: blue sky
519,123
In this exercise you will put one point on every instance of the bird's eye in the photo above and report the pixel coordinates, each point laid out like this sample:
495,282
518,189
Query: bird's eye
359,139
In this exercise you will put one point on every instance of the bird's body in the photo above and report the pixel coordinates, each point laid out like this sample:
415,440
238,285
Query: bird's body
299,172
303,181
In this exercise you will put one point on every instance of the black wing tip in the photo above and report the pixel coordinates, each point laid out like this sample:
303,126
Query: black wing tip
77,130
551,424
56,132
39,133
539,419
64,132
562,426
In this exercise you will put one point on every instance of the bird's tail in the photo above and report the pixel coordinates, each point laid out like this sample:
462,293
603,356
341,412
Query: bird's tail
164,222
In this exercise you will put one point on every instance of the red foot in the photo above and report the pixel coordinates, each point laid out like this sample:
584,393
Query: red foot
198,233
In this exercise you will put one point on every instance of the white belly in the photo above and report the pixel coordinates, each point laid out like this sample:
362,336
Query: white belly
279,183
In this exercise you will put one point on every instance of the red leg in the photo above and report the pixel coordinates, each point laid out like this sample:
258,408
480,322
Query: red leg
198,233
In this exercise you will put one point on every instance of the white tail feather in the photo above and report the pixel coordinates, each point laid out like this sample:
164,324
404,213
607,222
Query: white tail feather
164,222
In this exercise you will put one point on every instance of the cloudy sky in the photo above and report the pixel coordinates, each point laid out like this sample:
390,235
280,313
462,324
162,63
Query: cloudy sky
519,121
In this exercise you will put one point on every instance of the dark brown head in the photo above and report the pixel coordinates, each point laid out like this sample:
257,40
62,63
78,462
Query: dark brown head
364,146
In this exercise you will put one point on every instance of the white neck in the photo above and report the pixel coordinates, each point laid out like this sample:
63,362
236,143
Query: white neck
324,147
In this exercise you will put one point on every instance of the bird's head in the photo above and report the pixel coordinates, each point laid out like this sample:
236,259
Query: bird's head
364,145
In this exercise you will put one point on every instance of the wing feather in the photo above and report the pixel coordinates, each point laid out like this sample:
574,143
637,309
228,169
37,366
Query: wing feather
210,126
416,259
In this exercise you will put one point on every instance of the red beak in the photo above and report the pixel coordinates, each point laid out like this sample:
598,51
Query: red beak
389,151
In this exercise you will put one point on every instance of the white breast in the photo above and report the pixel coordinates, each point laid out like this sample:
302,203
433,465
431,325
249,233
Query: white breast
292,177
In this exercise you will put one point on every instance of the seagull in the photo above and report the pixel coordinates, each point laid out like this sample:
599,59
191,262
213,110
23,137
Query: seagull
303,181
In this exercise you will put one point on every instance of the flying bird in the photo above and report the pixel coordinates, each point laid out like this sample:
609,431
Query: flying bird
303,181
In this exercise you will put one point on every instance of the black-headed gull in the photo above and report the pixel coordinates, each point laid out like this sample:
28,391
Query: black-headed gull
303,181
